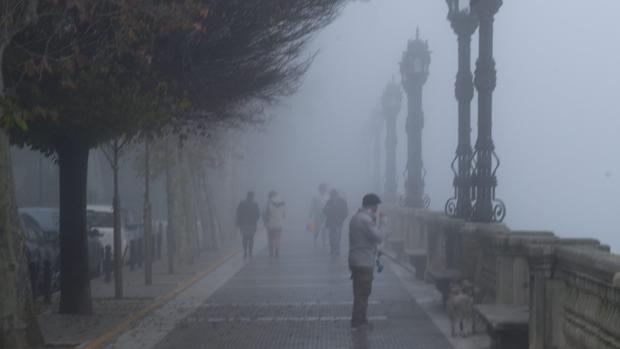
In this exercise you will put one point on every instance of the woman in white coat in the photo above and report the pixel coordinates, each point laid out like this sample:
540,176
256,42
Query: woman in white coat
273,218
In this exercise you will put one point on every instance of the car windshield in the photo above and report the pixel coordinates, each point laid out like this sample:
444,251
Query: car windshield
100,219
49,220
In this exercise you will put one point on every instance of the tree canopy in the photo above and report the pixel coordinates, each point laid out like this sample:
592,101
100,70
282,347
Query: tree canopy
104,68
90,71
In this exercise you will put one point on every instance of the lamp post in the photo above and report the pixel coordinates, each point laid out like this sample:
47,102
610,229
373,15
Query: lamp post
391,101
464,23
377,130
414,70
486,207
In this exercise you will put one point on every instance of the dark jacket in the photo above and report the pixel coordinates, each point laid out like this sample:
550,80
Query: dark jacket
248,214
336,211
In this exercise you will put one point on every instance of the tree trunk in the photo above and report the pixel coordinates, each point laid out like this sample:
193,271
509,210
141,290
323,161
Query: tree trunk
74,271
183,230
196,212
18,322
193,207
211,226
188,223
201,208
118,246
213,221
170,226
148,236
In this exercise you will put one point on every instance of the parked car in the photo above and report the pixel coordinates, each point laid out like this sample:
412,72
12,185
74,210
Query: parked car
39,250
48,218
101,219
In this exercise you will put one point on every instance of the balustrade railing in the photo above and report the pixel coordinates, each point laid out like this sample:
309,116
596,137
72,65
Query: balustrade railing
570,286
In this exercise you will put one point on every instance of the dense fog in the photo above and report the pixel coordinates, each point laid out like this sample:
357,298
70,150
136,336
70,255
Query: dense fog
556,119
167,156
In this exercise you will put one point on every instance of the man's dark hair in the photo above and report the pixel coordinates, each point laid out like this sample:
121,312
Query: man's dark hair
250,195
370,200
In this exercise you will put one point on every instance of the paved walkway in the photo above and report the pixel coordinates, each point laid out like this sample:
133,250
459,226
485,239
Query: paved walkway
67,331
302,300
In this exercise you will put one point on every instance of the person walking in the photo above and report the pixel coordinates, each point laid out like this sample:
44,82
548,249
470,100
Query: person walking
317,217
273,218
336,211
365,235
248,214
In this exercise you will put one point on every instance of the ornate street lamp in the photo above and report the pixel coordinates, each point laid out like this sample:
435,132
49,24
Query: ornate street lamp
377,125
391,101
485,161
414,70
464,23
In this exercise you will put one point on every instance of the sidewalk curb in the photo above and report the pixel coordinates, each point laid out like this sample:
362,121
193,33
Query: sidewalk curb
133,318
392,257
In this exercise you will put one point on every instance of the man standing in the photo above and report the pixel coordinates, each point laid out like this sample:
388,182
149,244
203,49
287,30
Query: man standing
364,238
248,214
336,211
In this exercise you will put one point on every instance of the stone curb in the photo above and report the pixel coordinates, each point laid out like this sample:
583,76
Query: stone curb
392,257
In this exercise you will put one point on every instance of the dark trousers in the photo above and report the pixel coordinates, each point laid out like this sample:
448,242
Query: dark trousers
247,236
335,236
362,287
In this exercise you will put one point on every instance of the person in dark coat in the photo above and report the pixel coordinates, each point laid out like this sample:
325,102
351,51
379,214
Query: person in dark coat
248,214
336,211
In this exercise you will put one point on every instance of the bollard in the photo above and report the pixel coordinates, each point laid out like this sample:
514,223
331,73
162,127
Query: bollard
107,264
47,282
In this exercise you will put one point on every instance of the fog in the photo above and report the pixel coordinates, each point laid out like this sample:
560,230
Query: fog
556,116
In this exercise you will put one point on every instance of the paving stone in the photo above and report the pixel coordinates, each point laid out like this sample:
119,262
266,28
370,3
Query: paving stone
303,300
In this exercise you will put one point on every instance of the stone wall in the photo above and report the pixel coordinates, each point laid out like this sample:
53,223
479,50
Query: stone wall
572,286
583,295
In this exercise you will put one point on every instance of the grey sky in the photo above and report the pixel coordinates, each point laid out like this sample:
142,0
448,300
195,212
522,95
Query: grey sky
556,118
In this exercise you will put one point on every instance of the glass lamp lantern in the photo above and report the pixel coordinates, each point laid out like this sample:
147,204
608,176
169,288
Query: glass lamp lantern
457,6
392,98
416,60
417,66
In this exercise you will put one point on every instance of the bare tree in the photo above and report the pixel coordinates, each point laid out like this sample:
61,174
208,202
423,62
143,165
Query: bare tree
113,152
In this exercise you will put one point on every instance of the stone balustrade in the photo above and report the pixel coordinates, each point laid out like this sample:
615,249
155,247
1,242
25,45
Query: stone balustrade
571,286
575,297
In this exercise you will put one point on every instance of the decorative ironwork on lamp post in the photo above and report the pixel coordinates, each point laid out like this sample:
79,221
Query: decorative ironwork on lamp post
414,70
464,23
485,161
391,101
